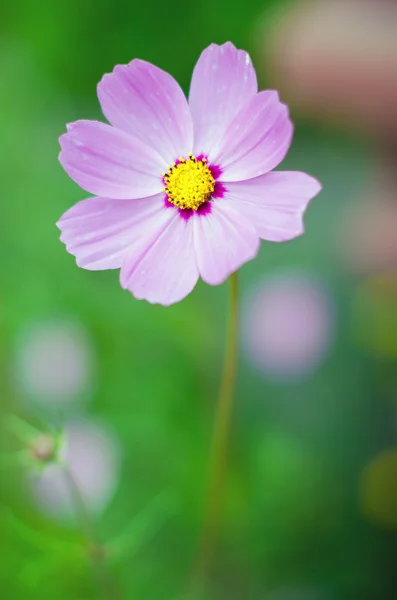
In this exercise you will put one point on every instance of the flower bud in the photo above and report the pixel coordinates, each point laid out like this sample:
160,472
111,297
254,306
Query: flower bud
44,448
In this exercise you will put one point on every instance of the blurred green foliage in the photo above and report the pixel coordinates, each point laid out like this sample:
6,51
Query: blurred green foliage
292,517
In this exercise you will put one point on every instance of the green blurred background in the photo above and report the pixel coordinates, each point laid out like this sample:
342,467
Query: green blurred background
311,505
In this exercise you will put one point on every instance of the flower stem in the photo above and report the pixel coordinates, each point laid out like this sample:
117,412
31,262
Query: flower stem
96,551
211,523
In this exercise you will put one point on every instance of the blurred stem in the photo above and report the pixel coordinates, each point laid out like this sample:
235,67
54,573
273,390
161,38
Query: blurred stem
96,551
215,493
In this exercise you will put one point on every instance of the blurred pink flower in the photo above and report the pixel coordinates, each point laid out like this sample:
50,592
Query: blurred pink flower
337,59
92,454
53,362
289,325
184,189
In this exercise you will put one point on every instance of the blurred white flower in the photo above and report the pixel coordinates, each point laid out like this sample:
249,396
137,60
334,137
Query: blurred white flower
288,325
92,455
54,362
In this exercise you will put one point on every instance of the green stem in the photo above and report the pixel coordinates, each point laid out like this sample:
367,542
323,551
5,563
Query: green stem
215,493
96,551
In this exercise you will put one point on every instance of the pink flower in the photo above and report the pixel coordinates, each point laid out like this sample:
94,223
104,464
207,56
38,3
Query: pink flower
54,362
289,325
183,189
92,454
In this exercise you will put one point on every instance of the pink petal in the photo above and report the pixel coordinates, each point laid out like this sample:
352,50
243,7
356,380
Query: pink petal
257,140
147,102
163,270
223,82
224,241
274,202
98,231
108,162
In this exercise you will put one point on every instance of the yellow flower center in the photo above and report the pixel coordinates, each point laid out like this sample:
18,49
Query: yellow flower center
189,183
